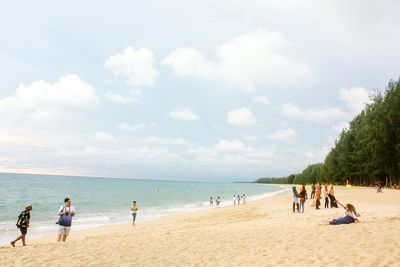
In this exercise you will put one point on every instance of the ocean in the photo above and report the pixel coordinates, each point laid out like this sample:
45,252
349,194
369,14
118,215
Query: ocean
101,201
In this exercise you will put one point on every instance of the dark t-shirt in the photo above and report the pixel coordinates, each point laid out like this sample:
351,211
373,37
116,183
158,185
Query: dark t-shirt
24,218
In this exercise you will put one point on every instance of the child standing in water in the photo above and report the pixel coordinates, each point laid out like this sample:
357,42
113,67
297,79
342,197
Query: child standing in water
217,201
134,210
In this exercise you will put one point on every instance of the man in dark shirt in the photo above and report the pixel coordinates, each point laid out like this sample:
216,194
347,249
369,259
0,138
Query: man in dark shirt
23,224
312,191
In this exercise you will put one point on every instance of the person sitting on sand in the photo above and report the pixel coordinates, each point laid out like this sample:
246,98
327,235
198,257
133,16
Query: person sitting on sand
350,215
380,187
23,224
295,199
134,210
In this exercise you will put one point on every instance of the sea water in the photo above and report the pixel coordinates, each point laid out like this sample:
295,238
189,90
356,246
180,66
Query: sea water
100,201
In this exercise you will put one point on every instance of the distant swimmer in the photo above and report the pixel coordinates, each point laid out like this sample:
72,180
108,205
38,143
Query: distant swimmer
158,190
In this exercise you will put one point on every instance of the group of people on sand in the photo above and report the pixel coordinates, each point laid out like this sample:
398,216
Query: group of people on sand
328,194
65,213
237,198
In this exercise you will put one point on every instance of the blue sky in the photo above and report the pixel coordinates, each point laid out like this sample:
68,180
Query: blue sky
187,90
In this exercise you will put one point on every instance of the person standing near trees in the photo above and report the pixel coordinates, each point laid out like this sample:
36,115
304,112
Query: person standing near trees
313,191
325,194
318,197
331,195
303,197
295,199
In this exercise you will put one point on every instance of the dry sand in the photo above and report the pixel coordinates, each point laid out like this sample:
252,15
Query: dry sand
261,233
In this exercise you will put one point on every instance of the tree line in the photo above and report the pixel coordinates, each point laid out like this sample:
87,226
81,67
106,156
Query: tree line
365,153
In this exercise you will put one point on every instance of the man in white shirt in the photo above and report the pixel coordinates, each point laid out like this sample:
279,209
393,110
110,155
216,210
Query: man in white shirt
66,212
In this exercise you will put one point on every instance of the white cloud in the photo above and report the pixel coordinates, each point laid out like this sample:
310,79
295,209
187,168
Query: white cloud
318,114
183,114
323,114
285,135
188,62
241,117
355,98
127,126
103,136
253,60
156,140
291,110
261,100
42,100
135,66
230,146
131,97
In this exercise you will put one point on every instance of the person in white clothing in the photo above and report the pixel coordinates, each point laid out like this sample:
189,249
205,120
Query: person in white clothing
66,212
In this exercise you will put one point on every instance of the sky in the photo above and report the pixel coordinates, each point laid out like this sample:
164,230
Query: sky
187,90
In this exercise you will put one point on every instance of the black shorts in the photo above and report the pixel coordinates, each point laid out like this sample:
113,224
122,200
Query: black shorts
134,216
23,230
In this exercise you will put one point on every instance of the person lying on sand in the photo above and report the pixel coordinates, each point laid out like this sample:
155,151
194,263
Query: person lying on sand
350,215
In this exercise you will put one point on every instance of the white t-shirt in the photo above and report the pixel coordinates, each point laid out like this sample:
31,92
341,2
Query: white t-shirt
69,209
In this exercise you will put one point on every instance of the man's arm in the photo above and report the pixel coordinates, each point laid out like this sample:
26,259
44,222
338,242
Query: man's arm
61,211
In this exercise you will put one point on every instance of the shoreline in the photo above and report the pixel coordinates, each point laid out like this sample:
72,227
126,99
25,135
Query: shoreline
82,231
261,233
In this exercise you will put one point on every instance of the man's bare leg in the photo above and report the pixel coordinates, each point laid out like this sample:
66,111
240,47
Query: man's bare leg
18,238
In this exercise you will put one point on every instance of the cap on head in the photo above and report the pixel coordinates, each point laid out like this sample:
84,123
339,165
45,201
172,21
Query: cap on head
29,206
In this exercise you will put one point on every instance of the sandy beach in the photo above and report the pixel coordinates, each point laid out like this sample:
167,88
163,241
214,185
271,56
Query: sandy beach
262,233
